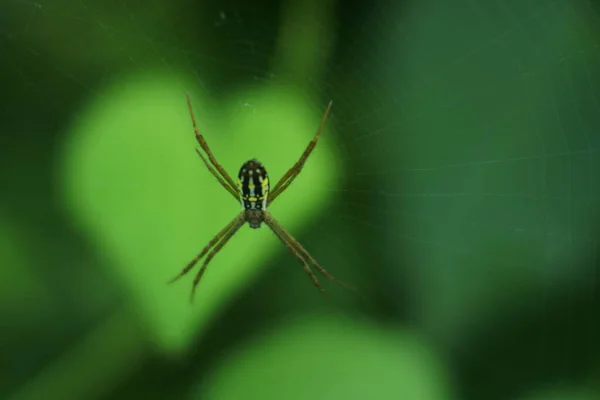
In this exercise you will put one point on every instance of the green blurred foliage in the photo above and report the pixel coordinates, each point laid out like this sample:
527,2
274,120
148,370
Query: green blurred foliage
563,393
21,291
455,184
506,197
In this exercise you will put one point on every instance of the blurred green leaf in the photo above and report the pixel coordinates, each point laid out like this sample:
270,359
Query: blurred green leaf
134,183
331,359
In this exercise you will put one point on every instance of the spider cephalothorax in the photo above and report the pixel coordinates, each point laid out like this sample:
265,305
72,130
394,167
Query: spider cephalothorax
253,185
253,191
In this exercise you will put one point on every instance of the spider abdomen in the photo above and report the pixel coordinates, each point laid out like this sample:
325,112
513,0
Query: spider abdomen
253,184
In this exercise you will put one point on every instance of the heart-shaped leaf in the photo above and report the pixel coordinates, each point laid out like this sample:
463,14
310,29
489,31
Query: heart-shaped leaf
133,182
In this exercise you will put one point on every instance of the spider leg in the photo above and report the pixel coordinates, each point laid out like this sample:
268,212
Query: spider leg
288,238
273,225
319,267
237,220
205,147
219,178
293,172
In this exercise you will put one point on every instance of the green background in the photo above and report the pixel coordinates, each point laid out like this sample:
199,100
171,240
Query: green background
455,185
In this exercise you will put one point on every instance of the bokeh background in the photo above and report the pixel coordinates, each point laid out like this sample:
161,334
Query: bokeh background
456,185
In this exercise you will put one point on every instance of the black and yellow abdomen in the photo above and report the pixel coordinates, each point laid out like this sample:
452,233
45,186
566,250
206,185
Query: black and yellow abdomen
253,184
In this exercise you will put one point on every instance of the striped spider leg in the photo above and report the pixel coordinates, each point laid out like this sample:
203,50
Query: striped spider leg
253,192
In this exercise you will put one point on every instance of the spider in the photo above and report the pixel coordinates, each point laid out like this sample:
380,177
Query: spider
253,191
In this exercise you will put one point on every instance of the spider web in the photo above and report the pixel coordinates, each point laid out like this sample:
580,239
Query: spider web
468,134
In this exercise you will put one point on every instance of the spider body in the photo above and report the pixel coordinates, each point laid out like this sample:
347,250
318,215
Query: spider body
254,192
253,185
